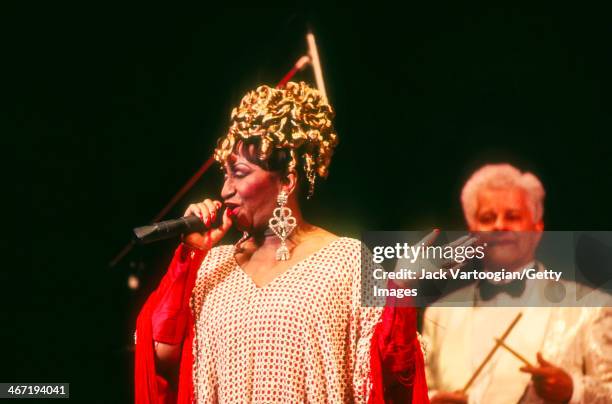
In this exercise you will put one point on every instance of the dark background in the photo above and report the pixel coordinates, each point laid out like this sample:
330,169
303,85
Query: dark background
113,108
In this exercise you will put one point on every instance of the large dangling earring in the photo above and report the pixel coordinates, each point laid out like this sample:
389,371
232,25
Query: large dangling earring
282,224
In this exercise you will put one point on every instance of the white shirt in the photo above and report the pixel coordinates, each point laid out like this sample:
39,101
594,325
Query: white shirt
459,338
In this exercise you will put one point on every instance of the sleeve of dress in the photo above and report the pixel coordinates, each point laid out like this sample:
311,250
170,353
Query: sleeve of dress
165,317
389,364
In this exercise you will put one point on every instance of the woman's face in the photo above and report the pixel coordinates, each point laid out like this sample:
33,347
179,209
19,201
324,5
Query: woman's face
249,192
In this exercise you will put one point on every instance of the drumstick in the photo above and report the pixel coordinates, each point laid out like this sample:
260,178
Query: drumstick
316,64
490,355
299,65
513,352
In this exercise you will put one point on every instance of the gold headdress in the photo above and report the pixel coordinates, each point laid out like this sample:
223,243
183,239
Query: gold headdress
294,118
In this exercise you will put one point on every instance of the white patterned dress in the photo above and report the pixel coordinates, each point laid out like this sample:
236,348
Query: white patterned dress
304,337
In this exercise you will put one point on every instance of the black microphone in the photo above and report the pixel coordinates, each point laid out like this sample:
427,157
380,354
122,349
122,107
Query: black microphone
174,228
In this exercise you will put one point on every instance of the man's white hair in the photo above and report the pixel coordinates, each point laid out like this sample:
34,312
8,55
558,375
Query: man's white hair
502,176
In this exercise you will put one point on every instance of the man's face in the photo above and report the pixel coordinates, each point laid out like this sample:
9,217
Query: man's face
511,233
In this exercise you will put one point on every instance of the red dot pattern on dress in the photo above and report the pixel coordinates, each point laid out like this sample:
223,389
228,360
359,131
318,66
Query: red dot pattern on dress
304,337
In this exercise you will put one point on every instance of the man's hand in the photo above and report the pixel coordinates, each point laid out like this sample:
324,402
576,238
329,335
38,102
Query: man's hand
447,397
551,383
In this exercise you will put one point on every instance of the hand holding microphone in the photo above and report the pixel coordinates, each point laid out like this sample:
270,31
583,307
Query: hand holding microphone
208,211
203,225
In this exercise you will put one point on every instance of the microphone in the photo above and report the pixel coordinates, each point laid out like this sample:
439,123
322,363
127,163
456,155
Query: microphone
173,228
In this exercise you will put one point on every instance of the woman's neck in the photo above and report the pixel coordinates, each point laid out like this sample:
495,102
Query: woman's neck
267,238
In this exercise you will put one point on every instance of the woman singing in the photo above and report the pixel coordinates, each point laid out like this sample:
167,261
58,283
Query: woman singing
276,318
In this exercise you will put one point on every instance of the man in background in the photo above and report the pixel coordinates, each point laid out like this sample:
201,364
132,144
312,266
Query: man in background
572,345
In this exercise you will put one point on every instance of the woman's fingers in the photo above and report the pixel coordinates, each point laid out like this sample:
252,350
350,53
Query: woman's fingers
212,210
470,241
460,241
205,213
194,210
214,235
206,210
430,238
226,222
463,242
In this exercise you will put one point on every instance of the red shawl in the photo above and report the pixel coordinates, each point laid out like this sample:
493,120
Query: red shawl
397,368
